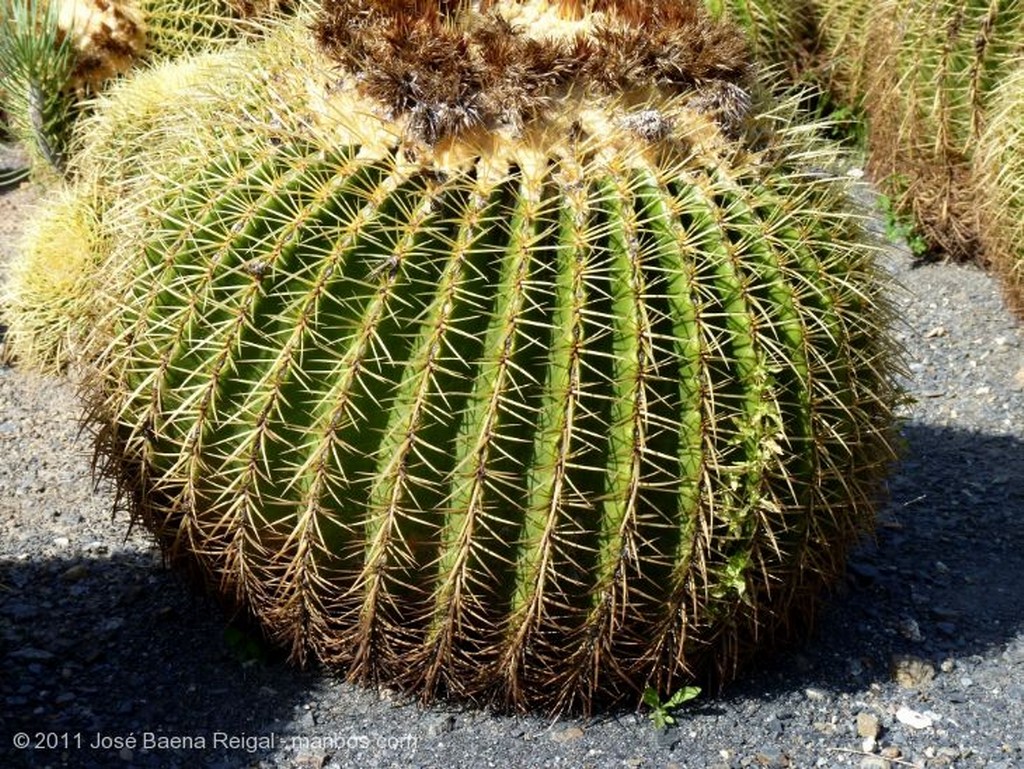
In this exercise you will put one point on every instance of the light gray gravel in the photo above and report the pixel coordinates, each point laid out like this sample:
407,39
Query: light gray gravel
918,661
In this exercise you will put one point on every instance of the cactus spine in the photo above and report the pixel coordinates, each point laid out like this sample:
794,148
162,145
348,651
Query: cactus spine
534,415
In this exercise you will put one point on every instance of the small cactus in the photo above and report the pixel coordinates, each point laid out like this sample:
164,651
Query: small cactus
513,387
60,287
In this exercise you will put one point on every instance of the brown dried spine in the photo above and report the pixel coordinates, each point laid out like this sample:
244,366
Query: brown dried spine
452,68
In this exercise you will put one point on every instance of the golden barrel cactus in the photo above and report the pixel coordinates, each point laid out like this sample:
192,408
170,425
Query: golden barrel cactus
511,352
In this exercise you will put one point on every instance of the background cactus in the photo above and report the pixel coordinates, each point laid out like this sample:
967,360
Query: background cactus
59,287
1000,181
928,103
533,407
36,64
57,53
783,34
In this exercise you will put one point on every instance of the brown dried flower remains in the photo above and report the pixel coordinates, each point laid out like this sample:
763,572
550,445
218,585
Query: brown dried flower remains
453,66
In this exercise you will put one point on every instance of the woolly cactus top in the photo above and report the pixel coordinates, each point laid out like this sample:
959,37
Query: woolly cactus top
107,35
446,69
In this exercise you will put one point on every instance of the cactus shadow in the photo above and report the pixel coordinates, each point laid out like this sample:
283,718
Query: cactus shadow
110,647
943,579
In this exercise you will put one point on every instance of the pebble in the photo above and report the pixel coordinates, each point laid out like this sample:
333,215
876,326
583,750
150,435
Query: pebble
874,762
910,630
911,672
868,725
567,735
75,573
912,718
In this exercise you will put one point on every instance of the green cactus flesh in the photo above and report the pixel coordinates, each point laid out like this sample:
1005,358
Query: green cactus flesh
536,422
538,440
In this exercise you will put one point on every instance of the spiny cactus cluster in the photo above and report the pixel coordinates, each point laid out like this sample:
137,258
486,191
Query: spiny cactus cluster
534,401
922,75
1000,178
928,104
53,54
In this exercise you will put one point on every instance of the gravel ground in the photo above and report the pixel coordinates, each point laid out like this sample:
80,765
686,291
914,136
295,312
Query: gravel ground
107,660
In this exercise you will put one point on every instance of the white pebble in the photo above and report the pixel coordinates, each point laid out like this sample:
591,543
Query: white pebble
912,718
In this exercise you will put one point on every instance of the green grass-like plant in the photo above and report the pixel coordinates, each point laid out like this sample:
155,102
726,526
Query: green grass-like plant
537,413
36,62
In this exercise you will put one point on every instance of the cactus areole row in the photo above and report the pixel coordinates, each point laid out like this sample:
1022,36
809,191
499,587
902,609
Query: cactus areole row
515,365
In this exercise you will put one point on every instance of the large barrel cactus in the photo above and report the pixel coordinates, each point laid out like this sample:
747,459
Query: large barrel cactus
519,357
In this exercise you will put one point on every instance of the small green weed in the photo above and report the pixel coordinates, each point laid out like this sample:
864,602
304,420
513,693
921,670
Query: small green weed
245,646
661,714
900,229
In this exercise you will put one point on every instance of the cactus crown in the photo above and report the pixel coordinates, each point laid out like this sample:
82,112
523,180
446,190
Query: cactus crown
454,66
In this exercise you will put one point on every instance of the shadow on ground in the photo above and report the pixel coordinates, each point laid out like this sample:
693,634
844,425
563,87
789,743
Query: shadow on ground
944,578
115,645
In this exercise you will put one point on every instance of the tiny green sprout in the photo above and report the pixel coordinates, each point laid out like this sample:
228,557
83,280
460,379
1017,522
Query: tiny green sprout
244,646
661,712
899,228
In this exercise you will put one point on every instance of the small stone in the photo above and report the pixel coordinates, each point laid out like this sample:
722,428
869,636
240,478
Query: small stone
310,760
567,735
817,695
869,745
874,762
938,331
909,629
911,672
75,573
892,751
61,541
868,725
441,725
912,718
947,666
1018,379
772,758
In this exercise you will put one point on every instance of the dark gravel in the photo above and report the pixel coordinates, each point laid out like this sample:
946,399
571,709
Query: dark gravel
918,659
